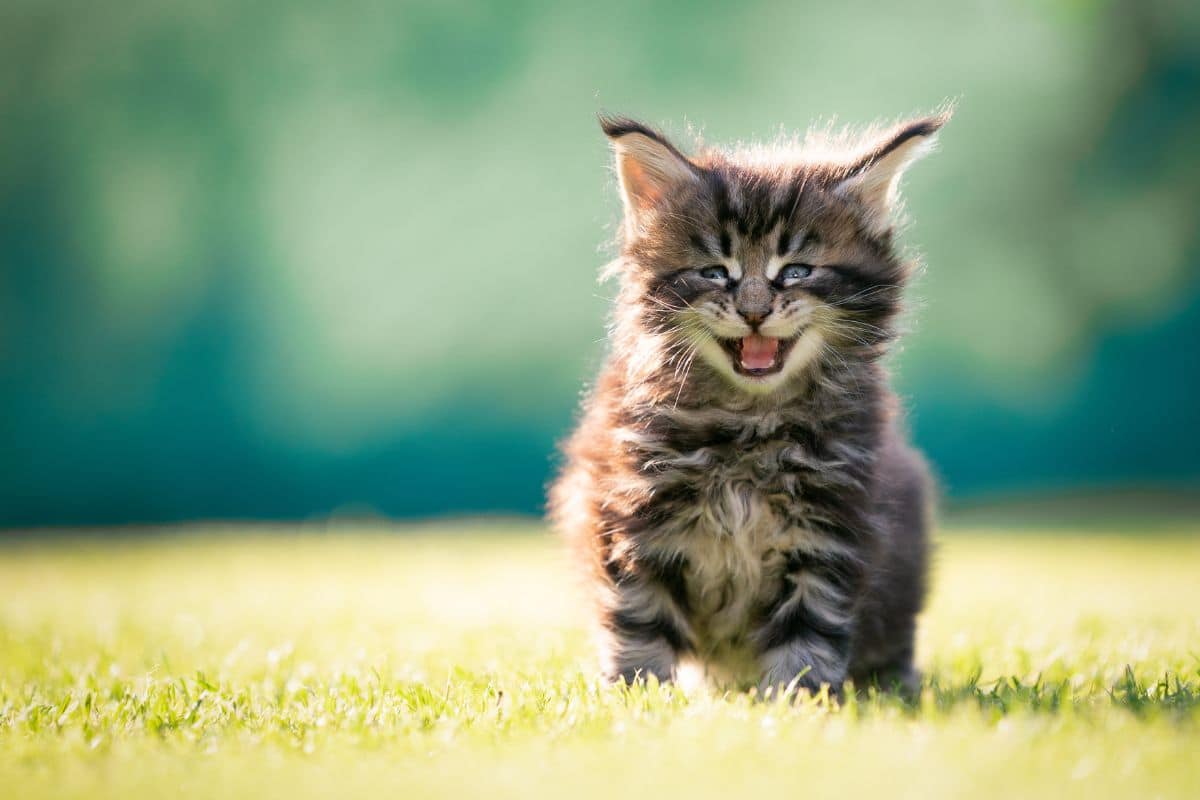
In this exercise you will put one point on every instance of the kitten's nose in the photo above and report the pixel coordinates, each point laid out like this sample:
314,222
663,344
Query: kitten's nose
753,299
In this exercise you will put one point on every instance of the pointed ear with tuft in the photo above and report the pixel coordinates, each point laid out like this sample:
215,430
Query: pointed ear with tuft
874,178
649,167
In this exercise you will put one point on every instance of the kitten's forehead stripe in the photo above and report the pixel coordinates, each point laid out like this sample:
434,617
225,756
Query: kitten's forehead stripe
703,244
753,204
718,191
785,245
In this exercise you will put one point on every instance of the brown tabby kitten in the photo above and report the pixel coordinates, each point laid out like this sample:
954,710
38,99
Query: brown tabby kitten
739,490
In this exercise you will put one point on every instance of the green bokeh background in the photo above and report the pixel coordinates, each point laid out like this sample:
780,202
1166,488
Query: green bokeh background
289,259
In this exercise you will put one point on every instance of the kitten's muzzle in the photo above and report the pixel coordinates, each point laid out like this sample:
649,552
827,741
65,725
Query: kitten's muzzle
754,318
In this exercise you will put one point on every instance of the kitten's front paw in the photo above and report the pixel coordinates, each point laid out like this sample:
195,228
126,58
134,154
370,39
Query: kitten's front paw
798,666
904,681
770,687
632,661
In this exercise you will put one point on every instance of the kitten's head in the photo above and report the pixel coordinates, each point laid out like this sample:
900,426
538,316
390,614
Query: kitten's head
759,262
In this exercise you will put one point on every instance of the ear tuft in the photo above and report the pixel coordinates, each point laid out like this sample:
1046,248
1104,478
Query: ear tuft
873,179
615,127
648,165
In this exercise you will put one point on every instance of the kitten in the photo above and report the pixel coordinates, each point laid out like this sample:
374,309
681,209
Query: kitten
739,490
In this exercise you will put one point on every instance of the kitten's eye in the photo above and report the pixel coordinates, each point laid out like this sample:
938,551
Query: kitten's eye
715,273
793,273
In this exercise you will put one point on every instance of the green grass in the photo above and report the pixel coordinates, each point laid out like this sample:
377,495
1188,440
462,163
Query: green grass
454,662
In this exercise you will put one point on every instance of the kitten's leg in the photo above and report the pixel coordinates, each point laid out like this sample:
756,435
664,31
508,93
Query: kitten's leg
645,633
895,588
629,659
885,641
884,659
807,635
900,677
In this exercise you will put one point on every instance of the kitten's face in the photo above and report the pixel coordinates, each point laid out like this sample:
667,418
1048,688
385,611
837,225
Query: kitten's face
759,305
760,268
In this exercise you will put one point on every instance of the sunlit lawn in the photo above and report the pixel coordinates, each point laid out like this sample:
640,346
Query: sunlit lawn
453,662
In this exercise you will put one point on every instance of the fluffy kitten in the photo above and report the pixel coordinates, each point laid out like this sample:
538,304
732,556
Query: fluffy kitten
739,490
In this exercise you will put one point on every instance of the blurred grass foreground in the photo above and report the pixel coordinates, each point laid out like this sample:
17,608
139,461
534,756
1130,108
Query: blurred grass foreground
451,661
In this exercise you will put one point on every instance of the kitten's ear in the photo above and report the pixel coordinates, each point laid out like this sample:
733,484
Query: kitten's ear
648,166
874,178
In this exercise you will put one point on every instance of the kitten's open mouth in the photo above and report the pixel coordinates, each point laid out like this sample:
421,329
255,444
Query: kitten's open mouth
758,356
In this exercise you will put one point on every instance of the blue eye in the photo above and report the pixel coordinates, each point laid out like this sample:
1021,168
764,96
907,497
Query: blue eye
794,272
715,274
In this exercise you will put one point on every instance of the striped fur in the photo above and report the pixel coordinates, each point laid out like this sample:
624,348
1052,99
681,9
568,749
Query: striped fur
767,525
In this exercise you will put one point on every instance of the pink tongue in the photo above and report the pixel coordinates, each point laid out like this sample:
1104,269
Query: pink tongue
758,352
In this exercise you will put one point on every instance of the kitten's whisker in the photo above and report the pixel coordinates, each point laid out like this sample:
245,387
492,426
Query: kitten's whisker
863,294
682,381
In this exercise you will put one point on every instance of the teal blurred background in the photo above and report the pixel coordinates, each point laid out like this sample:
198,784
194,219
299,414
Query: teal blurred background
290,259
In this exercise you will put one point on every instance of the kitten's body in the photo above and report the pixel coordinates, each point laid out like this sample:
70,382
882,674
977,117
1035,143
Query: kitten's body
738,490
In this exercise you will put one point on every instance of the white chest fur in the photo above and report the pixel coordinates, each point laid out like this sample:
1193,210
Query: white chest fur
735,544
